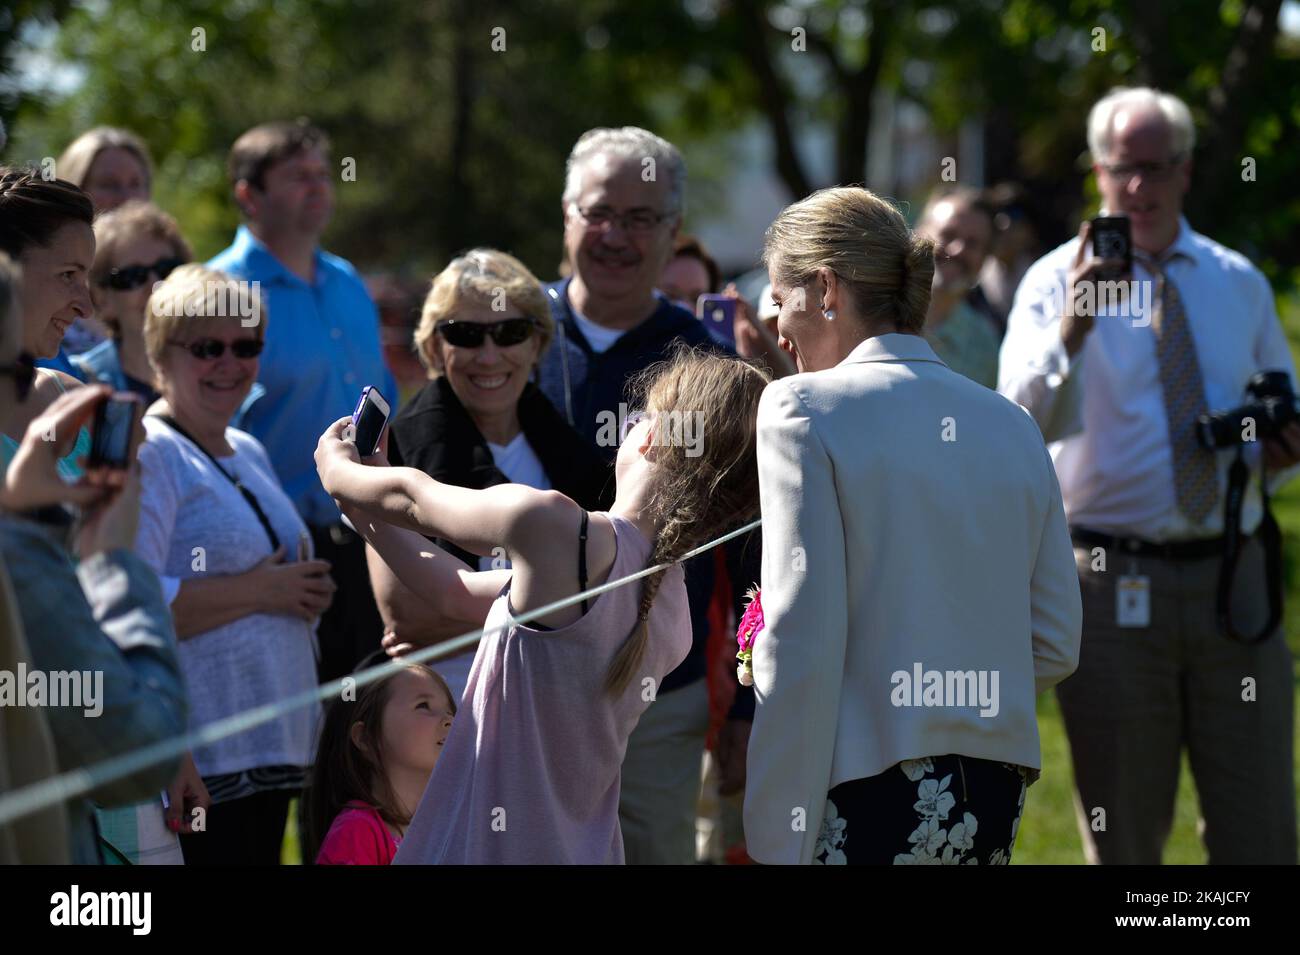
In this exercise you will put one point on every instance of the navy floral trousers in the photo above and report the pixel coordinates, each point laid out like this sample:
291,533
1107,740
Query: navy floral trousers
939,810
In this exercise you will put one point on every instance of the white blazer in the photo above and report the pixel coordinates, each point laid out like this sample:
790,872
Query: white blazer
912,522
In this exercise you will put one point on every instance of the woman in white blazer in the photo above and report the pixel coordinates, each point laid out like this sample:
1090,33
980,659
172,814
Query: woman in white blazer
919,585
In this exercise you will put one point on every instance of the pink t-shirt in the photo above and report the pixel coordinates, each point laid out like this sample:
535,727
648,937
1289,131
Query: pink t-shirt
531,768
358,836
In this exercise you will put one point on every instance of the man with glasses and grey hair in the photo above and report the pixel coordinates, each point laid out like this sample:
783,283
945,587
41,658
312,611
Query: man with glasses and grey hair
622,207
1118,382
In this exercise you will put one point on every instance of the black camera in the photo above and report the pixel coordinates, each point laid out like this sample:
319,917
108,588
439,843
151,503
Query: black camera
1275,406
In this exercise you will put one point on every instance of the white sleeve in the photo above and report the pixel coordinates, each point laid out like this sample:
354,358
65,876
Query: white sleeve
159,502
1034,369
799,656
1055,604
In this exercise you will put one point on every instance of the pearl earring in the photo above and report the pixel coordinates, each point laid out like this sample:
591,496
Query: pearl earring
829,313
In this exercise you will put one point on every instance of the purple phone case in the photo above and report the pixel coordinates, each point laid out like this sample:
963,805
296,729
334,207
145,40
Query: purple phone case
727,304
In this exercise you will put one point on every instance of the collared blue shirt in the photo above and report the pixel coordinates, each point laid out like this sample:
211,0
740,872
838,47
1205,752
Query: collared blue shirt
322,349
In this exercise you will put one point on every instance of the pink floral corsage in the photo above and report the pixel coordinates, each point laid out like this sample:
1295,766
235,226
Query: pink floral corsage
751,625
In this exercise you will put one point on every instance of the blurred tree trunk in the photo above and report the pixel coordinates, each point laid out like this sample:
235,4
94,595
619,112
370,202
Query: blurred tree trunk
853,88
1228,110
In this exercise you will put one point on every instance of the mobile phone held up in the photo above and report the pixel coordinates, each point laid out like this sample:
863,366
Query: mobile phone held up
110,436
369,420
1112,239
716,311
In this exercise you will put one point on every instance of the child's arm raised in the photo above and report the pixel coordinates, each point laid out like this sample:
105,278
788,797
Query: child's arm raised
458,594
476,520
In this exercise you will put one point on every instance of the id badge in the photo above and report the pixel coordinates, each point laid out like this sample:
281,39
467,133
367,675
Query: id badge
1133,601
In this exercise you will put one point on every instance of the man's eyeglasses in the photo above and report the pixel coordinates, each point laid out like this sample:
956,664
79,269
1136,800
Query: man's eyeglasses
508,331
638,221
210,349
1153,171
23,372
133,276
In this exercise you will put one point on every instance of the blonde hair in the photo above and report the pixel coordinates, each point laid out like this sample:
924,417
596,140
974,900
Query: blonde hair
132,219
74,165
865,241
482,276
195,298
694,498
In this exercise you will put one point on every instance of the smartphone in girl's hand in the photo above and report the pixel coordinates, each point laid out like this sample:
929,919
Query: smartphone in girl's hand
369,420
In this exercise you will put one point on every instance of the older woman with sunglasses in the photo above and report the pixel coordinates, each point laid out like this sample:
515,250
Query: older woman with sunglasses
480,421
216,520
136,245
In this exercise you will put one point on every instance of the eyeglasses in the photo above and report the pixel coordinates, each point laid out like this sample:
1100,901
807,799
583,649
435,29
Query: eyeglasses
1153,171
638,221
508,331
133,276
210,349
23,372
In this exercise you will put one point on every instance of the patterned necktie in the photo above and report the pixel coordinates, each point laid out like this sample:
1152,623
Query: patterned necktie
1196,483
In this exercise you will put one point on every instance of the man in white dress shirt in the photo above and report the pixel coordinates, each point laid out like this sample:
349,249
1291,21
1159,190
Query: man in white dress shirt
1117,387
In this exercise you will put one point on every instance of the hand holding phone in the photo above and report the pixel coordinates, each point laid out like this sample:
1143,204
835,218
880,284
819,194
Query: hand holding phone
110,436
369,421
1112,242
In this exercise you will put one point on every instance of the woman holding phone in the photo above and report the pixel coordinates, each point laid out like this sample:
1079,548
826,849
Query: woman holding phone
85,603
216,521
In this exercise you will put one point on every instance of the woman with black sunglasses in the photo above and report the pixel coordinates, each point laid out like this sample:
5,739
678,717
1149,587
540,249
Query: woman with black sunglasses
244,592
480,421
136,246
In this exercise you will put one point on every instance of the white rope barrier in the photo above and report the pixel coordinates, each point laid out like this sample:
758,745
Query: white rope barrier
79,782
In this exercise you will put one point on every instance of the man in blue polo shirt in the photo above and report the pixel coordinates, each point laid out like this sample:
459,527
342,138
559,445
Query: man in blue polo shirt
622,208
322,349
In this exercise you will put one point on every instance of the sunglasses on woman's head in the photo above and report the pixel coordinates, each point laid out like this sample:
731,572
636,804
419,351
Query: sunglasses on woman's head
133,276
210,349
508,331
23,372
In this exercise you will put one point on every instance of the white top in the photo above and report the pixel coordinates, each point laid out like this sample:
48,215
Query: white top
519,462
911,519
600,338
1104,409
264,658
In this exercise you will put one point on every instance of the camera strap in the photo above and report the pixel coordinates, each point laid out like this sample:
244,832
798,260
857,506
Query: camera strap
1270,536
239,485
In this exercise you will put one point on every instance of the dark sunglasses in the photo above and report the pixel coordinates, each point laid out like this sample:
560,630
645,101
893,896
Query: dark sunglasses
133,276
23,372
508,331
210,349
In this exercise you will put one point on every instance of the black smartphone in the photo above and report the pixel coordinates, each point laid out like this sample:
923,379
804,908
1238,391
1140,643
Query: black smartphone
1112,239
110,437
369,420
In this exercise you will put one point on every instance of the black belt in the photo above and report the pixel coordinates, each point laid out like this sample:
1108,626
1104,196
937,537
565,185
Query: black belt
1174,550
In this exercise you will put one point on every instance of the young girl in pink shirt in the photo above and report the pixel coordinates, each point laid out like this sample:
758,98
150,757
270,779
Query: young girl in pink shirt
531,770
374,758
